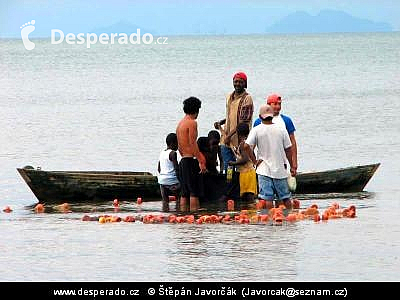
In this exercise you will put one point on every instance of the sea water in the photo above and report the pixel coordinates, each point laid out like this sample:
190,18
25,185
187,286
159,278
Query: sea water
110,107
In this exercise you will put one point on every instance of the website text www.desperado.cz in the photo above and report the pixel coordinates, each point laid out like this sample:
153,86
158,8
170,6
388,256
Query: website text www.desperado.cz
169,291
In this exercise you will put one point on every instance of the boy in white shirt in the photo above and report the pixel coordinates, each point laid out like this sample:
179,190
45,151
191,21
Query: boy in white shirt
168,172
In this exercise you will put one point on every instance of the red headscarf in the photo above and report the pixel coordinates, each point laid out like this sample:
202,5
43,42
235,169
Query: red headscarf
241,75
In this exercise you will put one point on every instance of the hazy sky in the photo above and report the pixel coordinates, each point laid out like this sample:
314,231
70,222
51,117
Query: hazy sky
178,17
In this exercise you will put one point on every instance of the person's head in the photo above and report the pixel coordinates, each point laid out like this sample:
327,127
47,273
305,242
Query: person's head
191,106
203,144
275,100
242,130
214,135
214,138
172,141
239,82
266,112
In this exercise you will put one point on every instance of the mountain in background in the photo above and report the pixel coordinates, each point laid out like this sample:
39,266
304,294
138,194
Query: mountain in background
326,21
122,27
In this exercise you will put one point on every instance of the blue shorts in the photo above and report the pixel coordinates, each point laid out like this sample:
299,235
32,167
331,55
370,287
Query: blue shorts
227,156
270,187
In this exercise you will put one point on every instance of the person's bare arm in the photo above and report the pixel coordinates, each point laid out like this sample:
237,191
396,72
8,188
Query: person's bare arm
294,150
221,160
228,135
244,157
250,153
221,129
193,142
219,123
174,158
289,156
192,132
159,168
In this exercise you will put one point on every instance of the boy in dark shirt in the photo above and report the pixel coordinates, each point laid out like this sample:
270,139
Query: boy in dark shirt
204,147
214,139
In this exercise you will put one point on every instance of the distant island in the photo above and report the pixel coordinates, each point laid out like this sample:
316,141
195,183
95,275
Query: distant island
124,27
326,21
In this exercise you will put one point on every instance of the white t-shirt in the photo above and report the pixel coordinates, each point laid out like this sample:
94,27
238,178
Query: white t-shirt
167,175
271,142
278,120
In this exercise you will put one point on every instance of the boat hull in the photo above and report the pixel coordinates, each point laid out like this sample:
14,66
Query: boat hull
95,186
345,180
61,186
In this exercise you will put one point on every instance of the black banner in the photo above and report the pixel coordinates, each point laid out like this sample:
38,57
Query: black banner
181,290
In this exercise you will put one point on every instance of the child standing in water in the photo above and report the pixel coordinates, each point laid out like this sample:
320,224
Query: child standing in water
214,138
210,151
247,176
168,172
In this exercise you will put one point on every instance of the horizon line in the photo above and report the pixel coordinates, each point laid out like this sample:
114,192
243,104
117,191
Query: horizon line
14,37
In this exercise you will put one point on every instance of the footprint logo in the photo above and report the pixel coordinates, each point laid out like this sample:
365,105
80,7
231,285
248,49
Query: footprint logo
27,28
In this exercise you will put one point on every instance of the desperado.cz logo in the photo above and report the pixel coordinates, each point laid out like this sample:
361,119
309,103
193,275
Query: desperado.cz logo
58,36
105,38
27,28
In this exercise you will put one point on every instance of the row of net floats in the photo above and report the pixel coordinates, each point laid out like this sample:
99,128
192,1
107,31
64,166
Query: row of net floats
276,215
260,215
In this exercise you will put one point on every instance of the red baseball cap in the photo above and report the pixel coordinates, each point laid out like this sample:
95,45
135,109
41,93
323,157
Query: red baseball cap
274,98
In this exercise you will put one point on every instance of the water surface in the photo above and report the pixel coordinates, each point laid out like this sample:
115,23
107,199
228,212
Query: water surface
65,107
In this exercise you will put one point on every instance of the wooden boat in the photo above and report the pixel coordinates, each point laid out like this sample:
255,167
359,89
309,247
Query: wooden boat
94,186
344,180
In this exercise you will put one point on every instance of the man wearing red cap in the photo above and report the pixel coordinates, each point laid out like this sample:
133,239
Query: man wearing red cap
275,101
239,108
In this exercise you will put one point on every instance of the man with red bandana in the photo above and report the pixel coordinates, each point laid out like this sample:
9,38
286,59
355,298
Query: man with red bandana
239,108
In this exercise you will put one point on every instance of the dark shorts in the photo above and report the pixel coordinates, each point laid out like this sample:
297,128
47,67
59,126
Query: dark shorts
189,177
170,190
232,188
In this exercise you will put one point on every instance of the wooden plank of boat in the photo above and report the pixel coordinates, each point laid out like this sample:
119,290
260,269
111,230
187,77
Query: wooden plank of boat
81,186
343,180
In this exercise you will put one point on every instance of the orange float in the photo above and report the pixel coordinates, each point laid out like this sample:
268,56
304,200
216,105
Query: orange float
129,219
231,205
7,209
296,204
39,208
